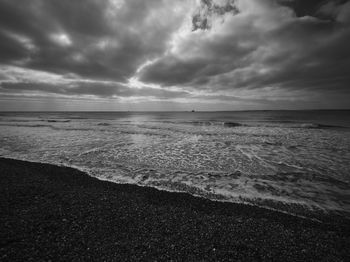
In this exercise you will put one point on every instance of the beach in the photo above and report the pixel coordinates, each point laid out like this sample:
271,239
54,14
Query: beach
58,213
194,130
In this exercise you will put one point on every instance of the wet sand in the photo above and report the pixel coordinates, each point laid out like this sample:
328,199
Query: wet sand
61,214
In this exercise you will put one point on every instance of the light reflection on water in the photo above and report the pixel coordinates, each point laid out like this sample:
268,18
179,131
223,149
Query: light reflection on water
278,160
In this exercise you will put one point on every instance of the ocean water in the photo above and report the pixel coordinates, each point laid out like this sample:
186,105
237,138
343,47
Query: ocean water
287,160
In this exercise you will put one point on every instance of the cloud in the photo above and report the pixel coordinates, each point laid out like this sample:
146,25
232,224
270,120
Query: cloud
92,88
95,39
262,44
241,51
17,80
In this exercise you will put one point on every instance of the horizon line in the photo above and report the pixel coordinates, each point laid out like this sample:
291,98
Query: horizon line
165,111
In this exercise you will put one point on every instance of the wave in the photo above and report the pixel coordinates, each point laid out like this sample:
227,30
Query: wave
267,124
232,124
198,123
291,124
34,120
56,121
319,126
26,125
18,120
212,123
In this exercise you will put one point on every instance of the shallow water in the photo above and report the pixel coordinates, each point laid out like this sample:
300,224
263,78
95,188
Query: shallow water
264,158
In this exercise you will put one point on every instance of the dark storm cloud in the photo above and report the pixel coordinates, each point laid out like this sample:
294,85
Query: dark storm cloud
91,38
320,59
312,7
268,44
207,9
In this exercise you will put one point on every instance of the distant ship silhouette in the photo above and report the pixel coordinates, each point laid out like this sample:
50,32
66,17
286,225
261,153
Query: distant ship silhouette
193,110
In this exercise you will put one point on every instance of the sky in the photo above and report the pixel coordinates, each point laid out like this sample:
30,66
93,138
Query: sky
166,55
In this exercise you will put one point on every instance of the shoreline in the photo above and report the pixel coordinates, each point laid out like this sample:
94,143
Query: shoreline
61,213
315,214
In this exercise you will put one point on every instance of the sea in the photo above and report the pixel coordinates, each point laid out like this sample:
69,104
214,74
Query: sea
292,161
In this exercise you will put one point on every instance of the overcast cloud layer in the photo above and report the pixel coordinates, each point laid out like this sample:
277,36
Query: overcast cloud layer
174,55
